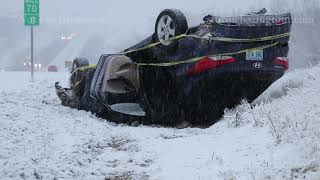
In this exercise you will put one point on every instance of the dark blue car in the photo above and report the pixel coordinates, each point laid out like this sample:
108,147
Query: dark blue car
184,74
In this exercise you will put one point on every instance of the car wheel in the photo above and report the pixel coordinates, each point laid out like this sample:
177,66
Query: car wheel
170,23
79,62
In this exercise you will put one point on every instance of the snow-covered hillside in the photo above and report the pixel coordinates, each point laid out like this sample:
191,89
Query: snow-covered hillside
277,138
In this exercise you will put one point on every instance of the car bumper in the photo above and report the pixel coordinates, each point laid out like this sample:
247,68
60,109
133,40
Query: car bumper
225,87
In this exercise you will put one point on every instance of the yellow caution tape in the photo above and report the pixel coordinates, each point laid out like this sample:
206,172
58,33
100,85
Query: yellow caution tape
82,69
140,49
222,39
198,58
193,60
151,45
168,64
78,82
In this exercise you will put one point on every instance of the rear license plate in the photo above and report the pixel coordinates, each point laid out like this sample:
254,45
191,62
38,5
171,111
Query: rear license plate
255,55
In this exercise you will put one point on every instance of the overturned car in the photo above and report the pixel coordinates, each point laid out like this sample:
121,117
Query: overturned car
184,74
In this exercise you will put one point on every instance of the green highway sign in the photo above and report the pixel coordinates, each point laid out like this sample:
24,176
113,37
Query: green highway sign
31,20
32,12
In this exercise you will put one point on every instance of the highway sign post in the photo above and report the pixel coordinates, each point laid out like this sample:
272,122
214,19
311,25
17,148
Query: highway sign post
32,18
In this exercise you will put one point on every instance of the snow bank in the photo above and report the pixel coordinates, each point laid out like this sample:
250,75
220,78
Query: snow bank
277,137
291,111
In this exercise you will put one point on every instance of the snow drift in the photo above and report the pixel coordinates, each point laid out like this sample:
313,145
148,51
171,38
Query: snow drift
277,137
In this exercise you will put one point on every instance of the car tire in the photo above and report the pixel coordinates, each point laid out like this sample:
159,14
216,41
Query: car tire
170,23
76,79
78,63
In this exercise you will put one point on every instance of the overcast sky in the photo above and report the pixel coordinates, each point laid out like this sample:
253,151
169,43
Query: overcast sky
124,13
104,7
123,22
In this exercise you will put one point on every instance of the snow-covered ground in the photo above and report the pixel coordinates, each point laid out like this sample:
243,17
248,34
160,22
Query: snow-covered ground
276,138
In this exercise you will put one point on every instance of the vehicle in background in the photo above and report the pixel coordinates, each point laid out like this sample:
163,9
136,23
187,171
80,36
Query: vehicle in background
68,37
52,68
37,66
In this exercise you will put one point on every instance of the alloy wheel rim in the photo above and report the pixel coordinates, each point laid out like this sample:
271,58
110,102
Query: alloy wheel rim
166,30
